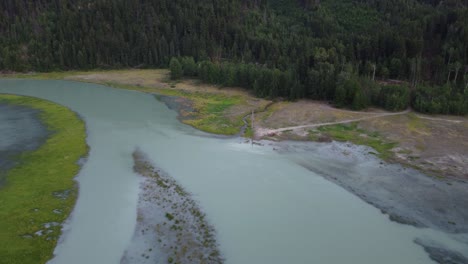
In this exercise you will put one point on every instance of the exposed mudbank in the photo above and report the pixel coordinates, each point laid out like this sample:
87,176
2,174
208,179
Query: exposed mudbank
171,228
21,130
441,255
182,106
405,195
185,111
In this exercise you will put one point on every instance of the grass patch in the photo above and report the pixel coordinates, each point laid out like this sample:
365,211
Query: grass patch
415,124
41,188
44,75
210,113
210,109
169,216
351,133
313,135
248,133
270,109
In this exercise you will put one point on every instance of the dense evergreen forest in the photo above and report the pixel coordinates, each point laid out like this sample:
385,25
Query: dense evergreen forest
355,53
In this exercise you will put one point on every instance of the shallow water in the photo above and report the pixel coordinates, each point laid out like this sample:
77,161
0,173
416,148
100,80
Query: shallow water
265,207
20,130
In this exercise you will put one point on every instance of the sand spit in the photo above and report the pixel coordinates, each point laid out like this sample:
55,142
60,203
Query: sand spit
171,228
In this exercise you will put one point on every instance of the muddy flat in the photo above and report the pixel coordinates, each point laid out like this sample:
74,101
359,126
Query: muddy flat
20,130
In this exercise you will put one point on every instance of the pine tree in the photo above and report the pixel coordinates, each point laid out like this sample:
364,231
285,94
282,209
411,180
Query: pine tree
176,69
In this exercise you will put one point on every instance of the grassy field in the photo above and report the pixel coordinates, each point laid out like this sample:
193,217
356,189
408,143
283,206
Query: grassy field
352,133
40,192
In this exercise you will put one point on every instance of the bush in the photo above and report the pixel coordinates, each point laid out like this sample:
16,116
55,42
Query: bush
176,69
189,67
444,99
394,97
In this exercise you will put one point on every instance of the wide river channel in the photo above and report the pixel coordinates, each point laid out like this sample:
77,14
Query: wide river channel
264,206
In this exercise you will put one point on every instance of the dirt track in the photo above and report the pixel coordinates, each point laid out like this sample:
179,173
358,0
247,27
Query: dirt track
260,132
436,145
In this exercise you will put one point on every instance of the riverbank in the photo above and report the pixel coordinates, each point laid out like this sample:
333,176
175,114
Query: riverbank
404,194
39,191
434,145
215,110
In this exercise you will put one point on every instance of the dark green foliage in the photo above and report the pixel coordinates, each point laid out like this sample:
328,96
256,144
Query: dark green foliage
354,92
169,216
394,97
275,48
360,100
189,66
264,82
443,99
176,69
208,72
340,96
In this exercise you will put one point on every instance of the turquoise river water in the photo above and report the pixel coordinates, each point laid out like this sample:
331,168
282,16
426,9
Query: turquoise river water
264,206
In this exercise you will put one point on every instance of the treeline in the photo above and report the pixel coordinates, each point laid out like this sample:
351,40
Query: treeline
445,99
317,47
351,90
264,82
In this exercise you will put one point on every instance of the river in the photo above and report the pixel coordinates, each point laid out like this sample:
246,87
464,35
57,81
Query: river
264,206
